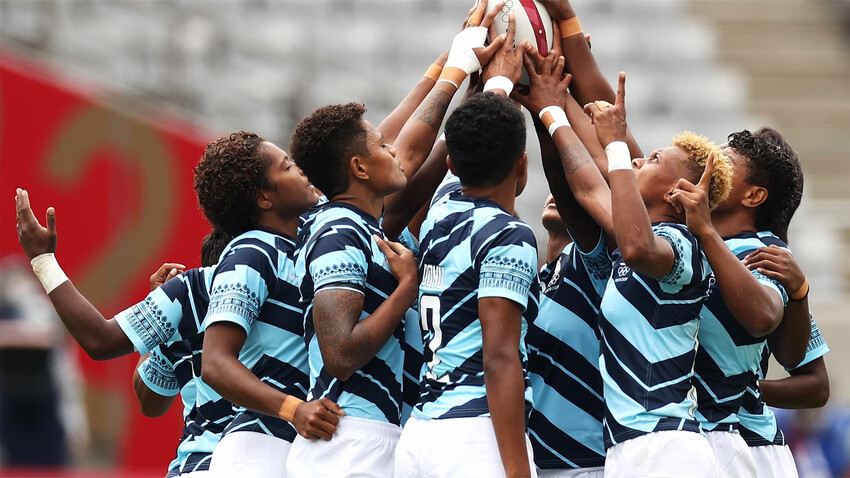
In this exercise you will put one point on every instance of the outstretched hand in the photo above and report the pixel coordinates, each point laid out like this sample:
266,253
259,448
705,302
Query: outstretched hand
507,60
165,273
468,52
693,200
35,239
610,120
547,82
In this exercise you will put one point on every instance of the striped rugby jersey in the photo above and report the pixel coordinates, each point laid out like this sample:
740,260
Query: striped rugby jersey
565,426
471,248
178,308
649,341
338,251
728,357
255,288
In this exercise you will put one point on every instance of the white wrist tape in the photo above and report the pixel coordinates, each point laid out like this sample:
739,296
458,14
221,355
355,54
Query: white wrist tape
442,137
48,271
618,156
461,54
553,117
499,83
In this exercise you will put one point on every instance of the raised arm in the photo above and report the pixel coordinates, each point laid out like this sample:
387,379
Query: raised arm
589,84
756,306
100,338
641,249
347,342
789,341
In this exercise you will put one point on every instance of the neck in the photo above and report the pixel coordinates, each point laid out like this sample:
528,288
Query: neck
664,212
729,223
503,194
362,198
556,245
288,225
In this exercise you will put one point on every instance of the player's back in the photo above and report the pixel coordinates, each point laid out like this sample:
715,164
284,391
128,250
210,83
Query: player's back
471,248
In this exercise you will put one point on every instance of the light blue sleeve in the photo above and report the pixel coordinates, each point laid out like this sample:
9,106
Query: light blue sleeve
157,372
685,247
338,259
598,264
240,288
153,321
508,266
817,346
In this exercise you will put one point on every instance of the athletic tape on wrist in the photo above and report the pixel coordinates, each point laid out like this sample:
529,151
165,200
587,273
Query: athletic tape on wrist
802,292
553,117
452,75
287,408
618,156
442,137
569,27
462,54
433,72
48,271
499,83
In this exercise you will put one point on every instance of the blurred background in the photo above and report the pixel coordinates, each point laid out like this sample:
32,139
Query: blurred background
106,106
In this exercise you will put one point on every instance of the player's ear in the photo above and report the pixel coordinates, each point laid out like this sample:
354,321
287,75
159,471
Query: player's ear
755,197
450,166
264,199
357,168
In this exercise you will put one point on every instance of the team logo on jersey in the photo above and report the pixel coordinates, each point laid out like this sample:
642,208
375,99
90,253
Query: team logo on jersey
622,272
556,276
432,276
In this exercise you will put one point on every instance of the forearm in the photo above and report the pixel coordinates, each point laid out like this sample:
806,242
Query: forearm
632,227
392,124
418,134
807,387
348,343
505,398
100,338
401,207
756,307
583,128
235,382
789,341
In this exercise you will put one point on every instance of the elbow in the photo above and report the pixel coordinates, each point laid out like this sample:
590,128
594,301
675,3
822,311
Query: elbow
340,369
634,255
151,411
211,370
97,351
820,396
763,324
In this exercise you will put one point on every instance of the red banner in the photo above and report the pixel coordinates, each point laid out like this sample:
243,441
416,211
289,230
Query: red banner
121,183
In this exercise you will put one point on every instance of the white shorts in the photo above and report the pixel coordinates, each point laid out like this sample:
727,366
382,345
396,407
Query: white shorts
731,454
451,447
247,454
594,472
197,474
667,454
774,461
360,447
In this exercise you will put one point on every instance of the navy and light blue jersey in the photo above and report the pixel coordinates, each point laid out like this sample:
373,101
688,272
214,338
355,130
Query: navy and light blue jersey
728,357
178,308
565,426
338,252
757,423
254,287
471,249
649,340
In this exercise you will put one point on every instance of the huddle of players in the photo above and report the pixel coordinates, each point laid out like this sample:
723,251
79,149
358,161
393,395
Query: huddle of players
639,349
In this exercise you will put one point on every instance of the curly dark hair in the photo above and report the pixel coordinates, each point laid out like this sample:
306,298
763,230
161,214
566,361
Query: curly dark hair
773,165
212,247
324,142
485,137
228,180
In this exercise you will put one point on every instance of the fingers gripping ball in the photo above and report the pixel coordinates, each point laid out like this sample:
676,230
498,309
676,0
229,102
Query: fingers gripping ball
533,23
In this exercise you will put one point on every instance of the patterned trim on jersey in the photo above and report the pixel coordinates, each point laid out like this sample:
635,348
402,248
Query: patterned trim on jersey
236,299
506,275
148,324
158,374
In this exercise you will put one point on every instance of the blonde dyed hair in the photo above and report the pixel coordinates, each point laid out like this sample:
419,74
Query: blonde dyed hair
698,148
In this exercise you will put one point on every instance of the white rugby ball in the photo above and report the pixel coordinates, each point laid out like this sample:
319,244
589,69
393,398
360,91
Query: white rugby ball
533,23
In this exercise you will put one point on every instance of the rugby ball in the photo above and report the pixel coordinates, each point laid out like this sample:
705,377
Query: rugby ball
533,23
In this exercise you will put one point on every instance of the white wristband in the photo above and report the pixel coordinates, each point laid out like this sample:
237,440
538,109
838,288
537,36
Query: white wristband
442,137
48,271
553,117
499,83
618,156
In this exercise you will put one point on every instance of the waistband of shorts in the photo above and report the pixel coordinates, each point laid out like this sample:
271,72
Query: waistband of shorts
365,426
725,427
